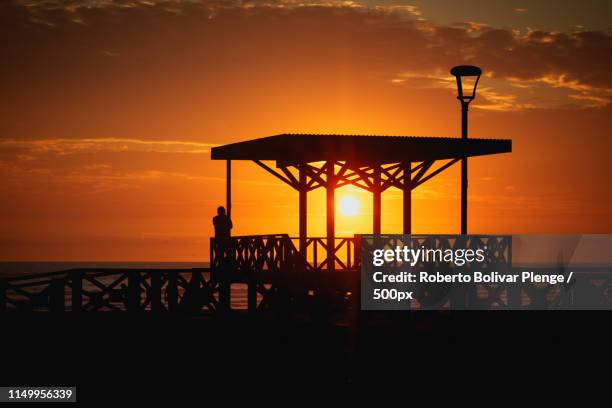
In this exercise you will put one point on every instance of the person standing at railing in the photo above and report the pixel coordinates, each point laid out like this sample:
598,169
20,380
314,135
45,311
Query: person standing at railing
223,228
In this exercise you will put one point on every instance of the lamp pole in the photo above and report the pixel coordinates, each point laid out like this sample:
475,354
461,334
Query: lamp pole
460,72
464,168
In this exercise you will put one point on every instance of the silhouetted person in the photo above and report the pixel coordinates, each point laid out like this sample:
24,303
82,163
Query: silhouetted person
223,227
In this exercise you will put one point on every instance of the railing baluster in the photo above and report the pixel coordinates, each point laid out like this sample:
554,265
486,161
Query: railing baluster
172,291
155,291
3,299
133,300
56,295
76,278
348,253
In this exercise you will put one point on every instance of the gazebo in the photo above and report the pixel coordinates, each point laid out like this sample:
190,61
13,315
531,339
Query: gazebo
276,270
374,163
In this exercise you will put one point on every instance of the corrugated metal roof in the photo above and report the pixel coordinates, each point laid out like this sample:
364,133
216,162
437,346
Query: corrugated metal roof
291,148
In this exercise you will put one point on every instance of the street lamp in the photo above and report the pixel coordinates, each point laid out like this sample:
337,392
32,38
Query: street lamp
467,80
467,76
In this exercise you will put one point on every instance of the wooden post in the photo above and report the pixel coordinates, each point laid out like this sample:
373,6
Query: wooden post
218,275
303,205
225,283
77,291
172,291
330,214
252,292
228,188
133,291
376,200
3,287
156,289
407,197
514,291
56,295
225,293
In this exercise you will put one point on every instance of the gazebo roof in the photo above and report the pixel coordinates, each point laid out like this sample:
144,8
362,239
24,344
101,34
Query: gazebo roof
288,149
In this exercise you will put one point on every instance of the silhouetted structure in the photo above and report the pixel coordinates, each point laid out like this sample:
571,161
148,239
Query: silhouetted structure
279,274
193,290
374,163
310,161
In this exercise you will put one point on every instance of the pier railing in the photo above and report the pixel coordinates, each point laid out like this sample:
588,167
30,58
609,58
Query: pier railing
270,252
130,289
345,256
272,272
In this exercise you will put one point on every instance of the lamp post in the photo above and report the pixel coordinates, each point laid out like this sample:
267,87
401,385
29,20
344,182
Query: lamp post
467,77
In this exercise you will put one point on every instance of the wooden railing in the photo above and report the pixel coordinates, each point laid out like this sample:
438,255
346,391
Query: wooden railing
85,290
251,252
267,264
268,252
273,270
345,256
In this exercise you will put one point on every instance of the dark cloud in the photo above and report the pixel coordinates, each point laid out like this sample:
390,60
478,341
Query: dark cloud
387,39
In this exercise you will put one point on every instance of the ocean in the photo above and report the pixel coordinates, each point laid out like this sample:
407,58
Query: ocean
14,269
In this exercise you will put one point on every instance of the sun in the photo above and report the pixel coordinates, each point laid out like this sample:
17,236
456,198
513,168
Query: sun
349,206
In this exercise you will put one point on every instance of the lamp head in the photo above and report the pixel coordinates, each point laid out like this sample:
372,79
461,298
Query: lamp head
467,81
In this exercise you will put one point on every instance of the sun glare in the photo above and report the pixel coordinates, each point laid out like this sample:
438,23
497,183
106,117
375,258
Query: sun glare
349,206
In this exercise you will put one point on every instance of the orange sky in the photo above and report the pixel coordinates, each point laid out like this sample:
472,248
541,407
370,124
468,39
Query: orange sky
109,113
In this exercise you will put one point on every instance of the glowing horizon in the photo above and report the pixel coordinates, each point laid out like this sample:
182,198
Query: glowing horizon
105,147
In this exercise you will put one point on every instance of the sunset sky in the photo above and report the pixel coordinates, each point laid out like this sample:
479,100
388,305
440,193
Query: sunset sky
109,110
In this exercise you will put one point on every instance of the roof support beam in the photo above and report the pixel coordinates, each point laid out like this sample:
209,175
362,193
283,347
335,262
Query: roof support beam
290,176
424,167
277,175
315,176
421,180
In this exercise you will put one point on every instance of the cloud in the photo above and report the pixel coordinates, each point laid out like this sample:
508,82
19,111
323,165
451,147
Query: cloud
73,146
497,101
584,95
103,165
406,9
92,165
394,42
105,178
75,5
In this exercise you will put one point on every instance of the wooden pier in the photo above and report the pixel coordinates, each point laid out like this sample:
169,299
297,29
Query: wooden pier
268,266
270,269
